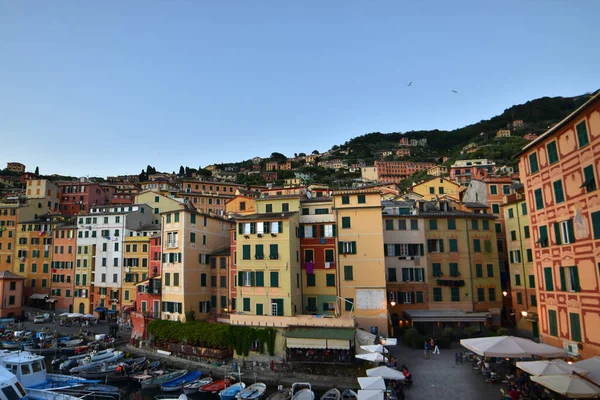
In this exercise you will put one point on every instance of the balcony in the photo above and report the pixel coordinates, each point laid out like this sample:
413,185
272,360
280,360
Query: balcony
283,322
172,245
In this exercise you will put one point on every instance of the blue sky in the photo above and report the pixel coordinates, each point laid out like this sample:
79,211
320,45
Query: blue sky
107,87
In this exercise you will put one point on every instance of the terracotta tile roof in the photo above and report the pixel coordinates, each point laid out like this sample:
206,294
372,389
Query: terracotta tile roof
9,275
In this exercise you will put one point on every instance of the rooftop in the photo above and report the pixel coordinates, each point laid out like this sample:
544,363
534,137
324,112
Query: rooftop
252,217
9,275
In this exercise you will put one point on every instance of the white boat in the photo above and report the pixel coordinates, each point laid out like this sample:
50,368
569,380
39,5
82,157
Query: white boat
252,392
10,388
87,363
193,387
302,391
331,394
171,397
230,392
70,343
30,370
349,394
37,394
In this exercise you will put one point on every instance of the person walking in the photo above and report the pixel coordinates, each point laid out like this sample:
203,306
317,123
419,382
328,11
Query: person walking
427,348
436,349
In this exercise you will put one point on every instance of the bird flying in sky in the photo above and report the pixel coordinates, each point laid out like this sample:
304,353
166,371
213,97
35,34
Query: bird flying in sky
409,84
454,91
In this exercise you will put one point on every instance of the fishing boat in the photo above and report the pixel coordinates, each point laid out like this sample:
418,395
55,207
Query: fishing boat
11,388
69,343
104,370
281,394
88,363
37,394
107,390
190,388
302,391
155,382
177,383
252,392
171,397
349,394
215,386
11,344
153,366
230,392
331,394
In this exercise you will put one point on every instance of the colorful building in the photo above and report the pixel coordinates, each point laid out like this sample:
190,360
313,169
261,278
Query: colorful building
241,205
362,292
318,256
149,291
438,170
188,238
85,263
560,174
462,171
436,188
63,267
44,191
220,300
160,203
78,197
396,171
15,167
136,260
11,294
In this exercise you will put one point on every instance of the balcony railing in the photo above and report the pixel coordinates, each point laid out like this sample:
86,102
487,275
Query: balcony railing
171,245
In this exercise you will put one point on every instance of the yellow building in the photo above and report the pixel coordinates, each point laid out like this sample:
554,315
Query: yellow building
438,170
240,204
136,258
46,191
439,187
369,173
220,293
188,239
268,258
521,266
503,133
360,249
84,270
159,202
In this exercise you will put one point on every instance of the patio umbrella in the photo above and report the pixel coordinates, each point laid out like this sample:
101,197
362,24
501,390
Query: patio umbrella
511,347
391,342
592,365
374,357
569,386
549,367
64,314
386,373
89,316
75,315
370,395
375,348
371,383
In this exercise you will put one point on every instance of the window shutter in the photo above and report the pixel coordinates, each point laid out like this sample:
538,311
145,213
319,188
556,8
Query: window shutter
421,249
240,281
314,231
340,247
353,247
385,250
252,278
280,226
267,227
179,257
252,227
557,232
241,228
563,280
400,296
570,230
397,249
575,278
405,275
322,231
512,257
441,245
429,249
260,279
301,232
333,230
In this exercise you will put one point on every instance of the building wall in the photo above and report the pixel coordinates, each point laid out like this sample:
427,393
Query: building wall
8,235
44,190
241,205
579,205
367,289
15,167
11,296
219,283
136,259
79,197
85,267
63,267
159,203
437,187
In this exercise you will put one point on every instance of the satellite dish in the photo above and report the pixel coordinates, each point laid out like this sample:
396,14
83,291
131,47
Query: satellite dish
309,195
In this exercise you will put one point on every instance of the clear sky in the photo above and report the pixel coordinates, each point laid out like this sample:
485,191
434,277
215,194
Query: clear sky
106,87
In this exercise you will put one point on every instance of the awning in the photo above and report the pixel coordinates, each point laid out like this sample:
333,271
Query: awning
338,344
304,343
51,300
320,333
100,309
38,296
447,315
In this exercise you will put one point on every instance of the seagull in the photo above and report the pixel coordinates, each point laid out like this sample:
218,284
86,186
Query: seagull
409,84
454,91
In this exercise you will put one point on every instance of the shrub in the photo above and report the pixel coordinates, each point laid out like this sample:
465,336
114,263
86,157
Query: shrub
412,338
502,332
469,331
448,334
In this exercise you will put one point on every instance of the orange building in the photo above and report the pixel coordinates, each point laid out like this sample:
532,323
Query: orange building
11,294
396,171
560,171
8,234
63,267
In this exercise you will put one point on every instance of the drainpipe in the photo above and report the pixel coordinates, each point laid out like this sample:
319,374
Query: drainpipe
470,264
522,259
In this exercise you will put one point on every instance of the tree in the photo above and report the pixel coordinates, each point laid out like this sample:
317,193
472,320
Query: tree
143,176
37,171
302,154
278,157
315,152
181,171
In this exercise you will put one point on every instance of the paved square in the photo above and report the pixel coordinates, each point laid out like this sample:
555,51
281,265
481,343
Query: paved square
440,378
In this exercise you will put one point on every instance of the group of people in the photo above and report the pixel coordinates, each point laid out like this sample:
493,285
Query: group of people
518,383
431,346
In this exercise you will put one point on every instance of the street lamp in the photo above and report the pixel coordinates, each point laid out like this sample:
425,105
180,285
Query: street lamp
393,303
505,293
524,313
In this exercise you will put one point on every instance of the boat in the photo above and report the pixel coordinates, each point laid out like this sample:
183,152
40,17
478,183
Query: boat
153,366
177,383
11,344
230,392
30,370
89,363
11,388
156,381
215,386
252,392
302,391
331,394
38,394
190,388
349,394
98,373
69,343
281,394
107,390
171,397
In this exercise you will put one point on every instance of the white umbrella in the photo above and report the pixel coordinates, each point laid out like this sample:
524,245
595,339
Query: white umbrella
511,347
370,395
89,316
391,342
375,348
374,357
64,314
549,367
75,315
569,386
386,373
592,365
371,383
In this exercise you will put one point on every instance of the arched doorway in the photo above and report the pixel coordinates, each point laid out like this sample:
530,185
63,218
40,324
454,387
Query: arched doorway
81,308
70,308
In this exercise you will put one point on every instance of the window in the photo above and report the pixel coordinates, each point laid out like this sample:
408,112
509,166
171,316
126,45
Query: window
414,225
347,247
435,245
517,279
539,199
582,135
176,279
480,294
493,189
526,232
478,270
389,225
574,322
589,180
498,227
553,322
362,199
477,245
454,269
524,208
552,152
246,252
349,304
453,245
543,240
192,237
310,280
511,213
273,251
437,294
531,281
274,278
345,199
436,269
259,252
285,207
519,298
596,224
485,225
495,208
564,232
475,224
548,281
246,304
433,224
260,279
392,275
492,294
346,223
533,163
348,273
451,224
490,270
330,280
573,276
529,255
305,211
